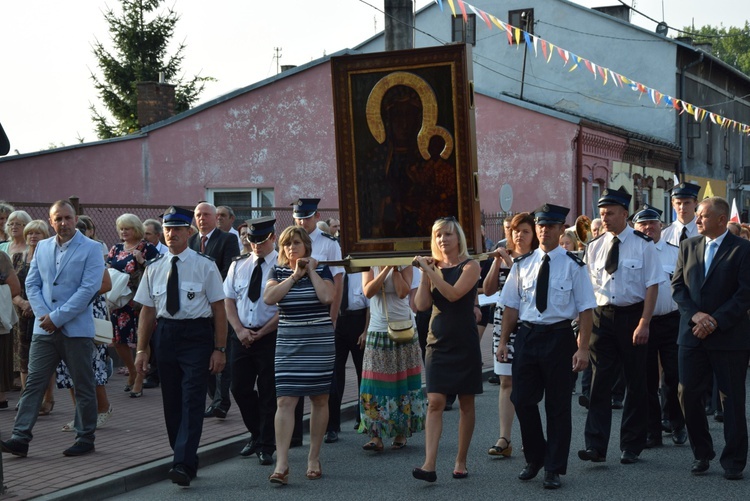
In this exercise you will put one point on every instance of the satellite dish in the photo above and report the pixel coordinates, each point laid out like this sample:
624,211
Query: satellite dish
506,197
662,28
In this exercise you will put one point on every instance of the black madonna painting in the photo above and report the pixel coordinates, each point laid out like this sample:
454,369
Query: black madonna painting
405,148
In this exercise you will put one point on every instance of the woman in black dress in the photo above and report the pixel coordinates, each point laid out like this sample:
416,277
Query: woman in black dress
453,360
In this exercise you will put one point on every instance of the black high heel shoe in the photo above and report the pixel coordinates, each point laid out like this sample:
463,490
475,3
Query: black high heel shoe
427,476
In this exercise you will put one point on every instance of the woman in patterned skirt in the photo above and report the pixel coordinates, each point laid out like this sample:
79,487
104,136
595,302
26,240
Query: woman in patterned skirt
391,400
305,350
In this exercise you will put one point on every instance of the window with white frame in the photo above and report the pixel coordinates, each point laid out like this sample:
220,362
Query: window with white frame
245,202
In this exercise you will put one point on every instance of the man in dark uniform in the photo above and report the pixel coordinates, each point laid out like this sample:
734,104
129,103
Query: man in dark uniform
254,346
711,286
662,340
181,292
545,346
625,273
222,247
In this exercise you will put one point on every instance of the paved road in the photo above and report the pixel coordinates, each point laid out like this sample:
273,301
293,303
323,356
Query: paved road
351,473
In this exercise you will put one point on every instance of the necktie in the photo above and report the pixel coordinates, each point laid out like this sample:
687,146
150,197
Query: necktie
253,292
173,289
542,285
709,257
683,236
612,257
203,244
345,295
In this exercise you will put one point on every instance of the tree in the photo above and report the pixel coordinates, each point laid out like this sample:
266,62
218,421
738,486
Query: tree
140,56
731,45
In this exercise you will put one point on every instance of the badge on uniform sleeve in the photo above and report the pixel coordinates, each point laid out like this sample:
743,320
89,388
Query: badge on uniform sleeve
191,295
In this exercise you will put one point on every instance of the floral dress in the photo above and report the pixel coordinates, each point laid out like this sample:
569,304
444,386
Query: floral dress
99,354
125,319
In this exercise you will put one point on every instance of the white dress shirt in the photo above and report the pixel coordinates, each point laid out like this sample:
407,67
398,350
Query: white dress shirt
256,314
326,248
673,232
668,260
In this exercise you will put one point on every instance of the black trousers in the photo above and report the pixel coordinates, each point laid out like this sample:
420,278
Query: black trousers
253,367
542,363
348,329
184,349
612,348
730,371
662,345
220,384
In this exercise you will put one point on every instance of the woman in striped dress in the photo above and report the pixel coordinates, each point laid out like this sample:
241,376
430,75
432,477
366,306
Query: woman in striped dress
305,350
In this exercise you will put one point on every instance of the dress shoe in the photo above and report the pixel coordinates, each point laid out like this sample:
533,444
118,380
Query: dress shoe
679,437
331,437
617,404
653,441
552,480
628,457
79,449
15,447
591,455
427,476
179,475
666,426
494,379
251,447
529,471
149,383
265,458
220,413
583,401
719,416
733,474
209,411
700,466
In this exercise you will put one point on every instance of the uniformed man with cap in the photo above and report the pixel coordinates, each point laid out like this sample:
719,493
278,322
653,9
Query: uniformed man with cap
181,293
324,248
662,339
684,203
545,291
254,346
625,273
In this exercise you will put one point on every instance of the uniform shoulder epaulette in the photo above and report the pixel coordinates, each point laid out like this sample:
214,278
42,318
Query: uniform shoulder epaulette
329,236
242,256
575,258
154,259
520,258
643,236
597,238
673,245
206,256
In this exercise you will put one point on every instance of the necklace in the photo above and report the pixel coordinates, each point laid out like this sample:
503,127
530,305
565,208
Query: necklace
128,249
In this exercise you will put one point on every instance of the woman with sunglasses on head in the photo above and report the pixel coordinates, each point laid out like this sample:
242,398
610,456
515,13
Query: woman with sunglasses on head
453,360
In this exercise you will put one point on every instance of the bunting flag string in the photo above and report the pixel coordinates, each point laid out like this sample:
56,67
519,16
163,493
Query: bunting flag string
516,36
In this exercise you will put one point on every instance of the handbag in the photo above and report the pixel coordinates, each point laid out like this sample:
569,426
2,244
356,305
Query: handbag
399,331
102,331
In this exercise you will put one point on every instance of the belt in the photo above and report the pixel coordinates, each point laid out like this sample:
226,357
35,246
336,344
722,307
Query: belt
624,309
184,321
562,324
347,313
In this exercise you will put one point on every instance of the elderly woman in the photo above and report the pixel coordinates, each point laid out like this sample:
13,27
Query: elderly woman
130,257
33,233
305,350
14,231
453,361
391,401
8,278
247,247
5,210
522,241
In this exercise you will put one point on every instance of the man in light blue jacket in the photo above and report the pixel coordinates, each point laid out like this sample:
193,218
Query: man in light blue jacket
65,275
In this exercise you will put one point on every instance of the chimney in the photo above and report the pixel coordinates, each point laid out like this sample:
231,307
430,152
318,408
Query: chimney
156,102
399,24
287,67
621,12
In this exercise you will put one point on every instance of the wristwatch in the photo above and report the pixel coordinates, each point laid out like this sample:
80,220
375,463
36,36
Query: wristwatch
222,349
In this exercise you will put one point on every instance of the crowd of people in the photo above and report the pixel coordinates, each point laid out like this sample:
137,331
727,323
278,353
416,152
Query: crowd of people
205,311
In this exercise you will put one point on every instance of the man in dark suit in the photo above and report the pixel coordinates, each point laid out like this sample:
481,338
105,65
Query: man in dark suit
711,287
222,248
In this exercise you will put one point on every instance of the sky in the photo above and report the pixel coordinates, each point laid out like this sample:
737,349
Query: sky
47,61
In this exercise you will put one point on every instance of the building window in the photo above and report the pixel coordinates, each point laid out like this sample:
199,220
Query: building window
645,196
524,19
667,207
242,201
464,31
596,193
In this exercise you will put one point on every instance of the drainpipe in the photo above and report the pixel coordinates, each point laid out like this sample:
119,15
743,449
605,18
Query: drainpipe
682,119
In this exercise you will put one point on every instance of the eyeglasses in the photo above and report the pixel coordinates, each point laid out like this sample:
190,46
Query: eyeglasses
451,219
17,223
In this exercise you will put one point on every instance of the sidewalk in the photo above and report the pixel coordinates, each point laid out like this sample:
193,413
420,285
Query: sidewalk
132,450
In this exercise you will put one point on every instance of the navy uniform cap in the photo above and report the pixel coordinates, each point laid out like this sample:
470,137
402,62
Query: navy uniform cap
620,196
260,229
647,213
177,216
550,214
305,207
686,190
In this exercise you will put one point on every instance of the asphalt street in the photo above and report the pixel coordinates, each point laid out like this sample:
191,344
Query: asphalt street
351,473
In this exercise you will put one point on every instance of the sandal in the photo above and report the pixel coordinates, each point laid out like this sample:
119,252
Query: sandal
69,426
46,408
373,446
395,445
279,478
496,450
315,474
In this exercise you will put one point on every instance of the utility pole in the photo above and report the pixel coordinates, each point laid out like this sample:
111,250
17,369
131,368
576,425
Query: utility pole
277,56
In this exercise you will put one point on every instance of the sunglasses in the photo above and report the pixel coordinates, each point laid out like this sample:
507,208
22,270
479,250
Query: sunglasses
451,219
